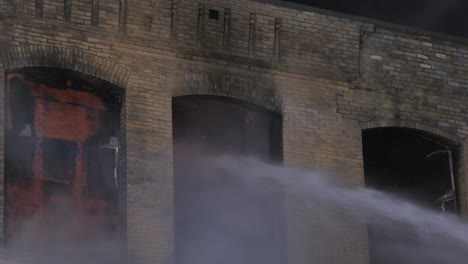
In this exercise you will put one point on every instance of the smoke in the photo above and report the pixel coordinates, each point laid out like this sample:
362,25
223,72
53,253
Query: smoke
36,242
399,231
230,217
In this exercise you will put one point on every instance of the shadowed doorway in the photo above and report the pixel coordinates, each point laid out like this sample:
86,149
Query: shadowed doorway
218,219
416,166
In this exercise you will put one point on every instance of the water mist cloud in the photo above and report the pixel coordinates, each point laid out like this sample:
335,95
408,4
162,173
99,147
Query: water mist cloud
405,231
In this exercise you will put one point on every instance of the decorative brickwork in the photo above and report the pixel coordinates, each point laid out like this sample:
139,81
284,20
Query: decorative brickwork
71,59
243,88
414,125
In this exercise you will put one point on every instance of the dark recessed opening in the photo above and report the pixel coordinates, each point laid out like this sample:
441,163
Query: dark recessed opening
218,219
54,188
58,159
413,165
214,14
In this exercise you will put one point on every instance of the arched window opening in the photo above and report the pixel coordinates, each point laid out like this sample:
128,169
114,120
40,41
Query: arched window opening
413,165
61,156
219,219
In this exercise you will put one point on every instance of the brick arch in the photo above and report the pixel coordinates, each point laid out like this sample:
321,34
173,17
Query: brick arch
436,131
445,137
96,70
73,59
254,91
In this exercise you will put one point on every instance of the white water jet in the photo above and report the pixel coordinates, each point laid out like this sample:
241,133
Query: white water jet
411,233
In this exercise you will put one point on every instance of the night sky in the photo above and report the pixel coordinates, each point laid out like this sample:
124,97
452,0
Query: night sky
445,16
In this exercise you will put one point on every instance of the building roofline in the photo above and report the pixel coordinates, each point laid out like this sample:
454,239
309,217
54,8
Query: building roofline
378,23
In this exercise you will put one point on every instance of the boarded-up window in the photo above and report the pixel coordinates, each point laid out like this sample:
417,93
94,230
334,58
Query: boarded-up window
59,163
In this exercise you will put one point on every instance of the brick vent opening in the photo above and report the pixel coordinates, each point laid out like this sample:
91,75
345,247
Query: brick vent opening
213,14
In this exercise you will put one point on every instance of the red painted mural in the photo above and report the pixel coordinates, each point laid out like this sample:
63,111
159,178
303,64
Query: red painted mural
61,159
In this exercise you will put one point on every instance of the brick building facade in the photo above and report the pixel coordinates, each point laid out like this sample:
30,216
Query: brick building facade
329,75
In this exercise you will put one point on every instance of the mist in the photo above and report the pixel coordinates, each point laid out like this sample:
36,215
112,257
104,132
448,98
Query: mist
408,233
403,232
37,243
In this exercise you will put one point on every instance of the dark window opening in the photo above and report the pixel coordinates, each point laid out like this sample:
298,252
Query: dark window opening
22,106
415,166
213,14
58,159
56,188
101,169
218,219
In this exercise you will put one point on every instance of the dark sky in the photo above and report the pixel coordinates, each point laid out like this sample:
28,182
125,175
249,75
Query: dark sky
445,16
